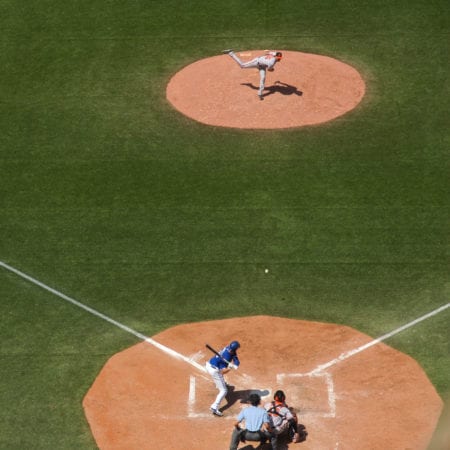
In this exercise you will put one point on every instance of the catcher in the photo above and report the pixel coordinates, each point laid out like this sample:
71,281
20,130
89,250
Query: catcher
284,419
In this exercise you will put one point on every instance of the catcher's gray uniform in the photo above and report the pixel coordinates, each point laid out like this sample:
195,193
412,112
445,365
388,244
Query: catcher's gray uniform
262,63
284,418
280,416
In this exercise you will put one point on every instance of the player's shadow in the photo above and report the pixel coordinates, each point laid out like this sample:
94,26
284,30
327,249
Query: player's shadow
261,447
241,396
266,446
283,441
277,88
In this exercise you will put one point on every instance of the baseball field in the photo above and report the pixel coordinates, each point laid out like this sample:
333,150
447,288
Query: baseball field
118,213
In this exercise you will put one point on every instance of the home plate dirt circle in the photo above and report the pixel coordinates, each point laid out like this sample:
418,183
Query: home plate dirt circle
379,398
304,89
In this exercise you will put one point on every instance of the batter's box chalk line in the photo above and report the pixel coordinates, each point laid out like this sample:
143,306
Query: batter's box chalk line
311,394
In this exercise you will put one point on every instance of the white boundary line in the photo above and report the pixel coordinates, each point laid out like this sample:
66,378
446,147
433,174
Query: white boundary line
173,353
191,399
350,353
94,312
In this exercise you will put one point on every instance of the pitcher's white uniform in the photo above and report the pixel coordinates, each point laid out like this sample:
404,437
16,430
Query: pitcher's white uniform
262,63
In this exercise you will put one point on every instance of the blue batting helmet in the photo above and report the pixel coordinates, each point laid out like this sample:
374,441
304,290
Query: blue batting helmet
234,345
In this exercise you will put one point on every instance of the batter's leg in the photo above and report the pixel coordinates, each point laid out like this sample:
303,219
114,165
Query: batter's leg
223,390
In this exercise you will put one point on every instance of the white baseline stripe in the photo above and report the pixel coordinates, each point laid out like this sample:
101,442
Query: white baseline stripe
94,312
192,389
353,352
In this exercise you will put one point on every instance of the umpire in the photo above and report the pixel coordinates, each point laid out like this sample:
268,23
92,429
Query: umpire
257,425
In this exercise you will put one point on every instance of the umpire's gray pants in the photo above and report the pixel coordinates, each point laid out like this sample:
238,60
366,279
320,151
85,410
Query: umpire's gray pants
254,436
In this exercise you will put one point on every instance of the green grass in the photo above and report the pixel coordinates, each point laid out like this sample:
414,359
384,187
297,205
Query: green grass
110,196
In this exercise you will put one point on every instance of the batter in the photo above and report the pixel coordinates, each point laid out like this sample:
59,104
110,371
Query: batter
219,365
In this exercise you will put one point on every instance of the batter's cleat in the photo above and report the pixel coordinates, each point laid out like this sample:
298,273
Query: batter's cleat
228,50
216,412
260,96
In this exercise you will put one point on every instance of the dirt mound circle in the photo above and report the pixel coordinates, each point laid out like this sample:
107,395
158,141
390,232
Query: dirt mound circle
304,89
145,398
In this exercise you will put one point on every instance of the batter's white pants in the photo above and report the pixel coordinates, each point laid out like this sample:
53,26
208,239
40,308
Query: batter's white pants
219,380
253,64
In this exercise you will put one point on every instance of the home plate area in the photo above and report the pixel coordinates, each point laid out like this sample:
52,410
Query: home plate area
315,394
147,398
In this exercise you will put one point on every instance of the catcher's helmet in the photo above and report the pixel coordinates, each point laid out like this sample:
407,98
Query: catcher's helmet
234,345
279,396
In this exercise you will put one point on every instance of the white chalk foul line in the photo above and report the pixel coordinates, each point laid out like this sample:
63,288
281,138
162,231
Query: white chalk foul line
94,312
350,353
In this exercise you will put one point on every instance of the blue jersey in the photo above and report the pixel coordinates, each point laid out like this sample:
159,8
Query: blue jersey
228,355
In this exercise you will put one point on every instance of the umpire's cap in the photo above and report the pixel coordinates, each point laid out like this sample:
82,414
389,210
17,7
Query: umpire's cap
254,399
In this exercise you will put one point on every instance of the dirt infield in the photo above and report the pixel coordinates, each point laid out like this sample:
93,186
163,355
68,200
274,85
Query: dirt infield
145,398
304,89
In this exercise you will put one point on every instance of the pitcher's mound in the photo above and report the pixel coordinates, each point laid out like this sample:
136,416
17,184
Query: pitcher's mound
146,399
304,89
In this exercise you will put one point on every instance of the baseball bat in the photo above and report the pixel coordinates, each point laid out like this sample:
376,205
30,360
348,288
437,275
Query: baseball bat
217,353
